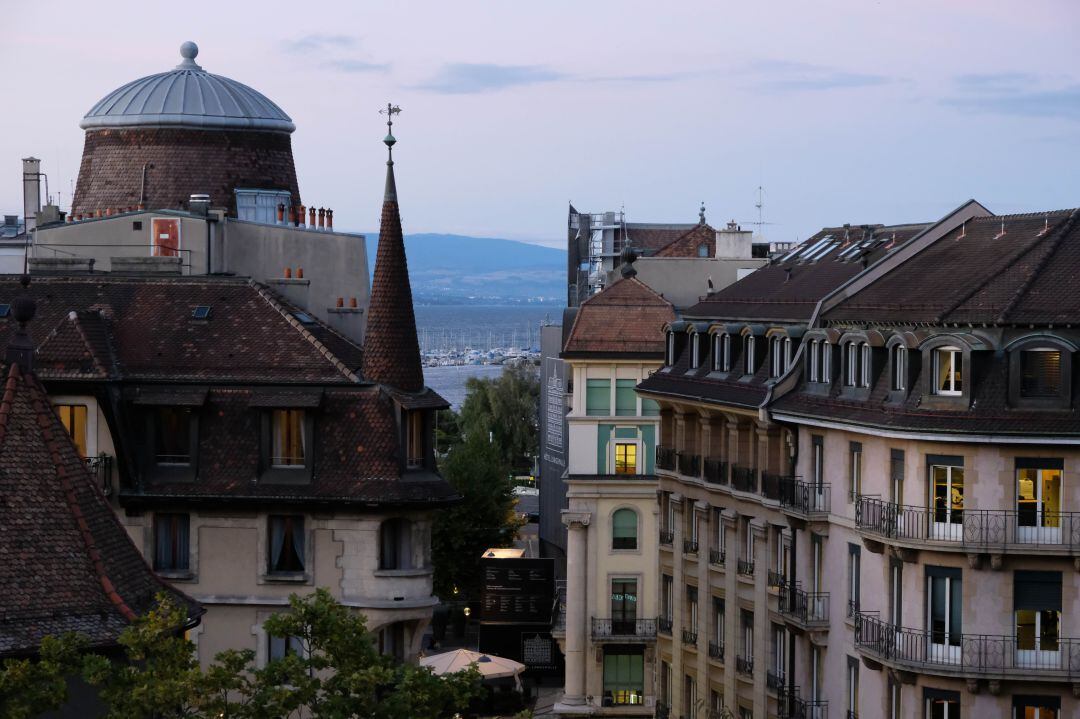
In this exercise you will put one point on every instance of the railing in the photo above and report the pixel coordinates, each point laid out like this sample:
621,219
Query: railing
689,637
716,650
807,608
689,464
667,536
665,458
744,479
776,578
664,625
101,467
774,680
790,705
745,567
663,711
628,629
852,607
558,609
716,471
689,546
805,498
744,665
985,529
772,486
982,654
852,715
717,556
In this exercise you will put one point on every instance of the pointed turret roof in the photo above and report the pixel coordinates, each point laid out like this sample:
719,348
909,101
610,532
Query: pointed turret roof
391,350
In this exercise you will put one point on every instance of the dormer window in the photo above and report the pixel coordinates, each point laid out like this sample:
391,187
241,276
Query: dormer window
695,350
722,355
1040,373
288,448
899,368
787,353
670,359
864,371
851,353
814,362
948,371
414,439
826,362
777,353
748,354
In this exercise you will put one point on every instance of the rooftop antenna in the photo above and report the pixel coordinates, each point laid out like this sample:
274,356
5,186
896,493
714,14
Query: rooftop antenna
760,205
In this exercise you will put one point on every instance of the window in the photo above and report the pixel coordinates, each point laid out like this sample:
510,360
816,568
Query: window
944,612
721,534
695,350
1037,606
624,676
201,312
165,237
947,496
624,600
776,352
718,621
722,352
853,687
392,641
172,435
812,358
1034,707
650,408
73,417
778,652
665,683
691,609
941,704
690,695
865,366
817,566
851,354
896,475
746,622
748,354
624,529
854,578
815,673
787,353
280,646
395,544
854,471
414,439
669,359
287,438
171,542
598,397
625,398
896,592
1040,373
1038,500
748,540
826,362
817,442
286,544
893,698
626,457
703,251
899,368
667,596
948,376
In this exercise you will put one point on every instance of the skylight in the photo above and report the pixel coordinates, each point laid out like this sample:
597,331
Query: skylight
304,318
201,312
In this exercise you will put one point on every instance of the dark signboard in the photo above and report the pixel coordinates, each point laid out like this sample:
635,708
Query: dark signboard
553,438
517,590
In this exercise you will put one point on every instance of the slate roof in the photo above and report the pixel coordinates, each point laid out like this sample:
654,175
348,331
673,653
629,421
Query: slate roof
650,237
66,562
627,318
979,274
687,244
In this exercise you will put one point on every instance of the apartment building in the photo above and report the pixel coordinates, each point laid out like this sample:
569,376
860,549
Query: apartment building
608,630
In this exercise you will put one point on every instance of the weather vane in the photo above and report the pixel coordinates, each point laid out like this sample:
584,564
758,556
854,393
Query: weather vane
390,110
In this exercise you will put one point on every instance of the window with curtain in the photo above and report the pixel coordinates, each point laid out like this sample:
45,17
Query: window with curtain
172,435
945,611
1038,499
287,441
624,529
73,417
280,646
1037,605
854,471
948,366
625,398
171,542
395,544
286,544
896,475
624,606
1040,373
624,676
598,397
414,441
667,598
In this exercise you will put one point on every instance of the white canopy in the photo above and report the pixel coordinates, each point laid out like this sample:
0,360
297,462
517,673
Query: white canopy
490,667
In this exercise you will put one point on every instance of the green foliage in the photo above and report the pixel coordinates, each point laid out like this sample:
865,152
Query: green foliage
484,517
504,409
339,674
447,431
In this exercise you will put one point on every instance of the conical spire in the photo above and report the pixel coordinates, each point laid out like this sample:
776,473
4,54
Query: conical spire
391,351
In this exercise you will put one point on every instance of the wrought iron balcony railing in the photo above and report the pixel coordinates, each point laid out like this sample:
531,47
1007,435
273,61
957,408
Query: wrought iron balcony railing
772,486
689,464
667,536
663,624
663,711
744,479
744,665
805,499
809,609
717,557
1025,530
745,567
716,472
665,458
689,546
716,651
623,629
1028,657
776,578
101,467
689,637
789,705
774,680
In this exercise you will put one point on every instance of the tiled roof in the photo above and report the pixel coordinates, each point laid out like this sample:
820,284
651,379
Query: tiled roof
626,318
66,562
1016,269
688,244
651,237
391,350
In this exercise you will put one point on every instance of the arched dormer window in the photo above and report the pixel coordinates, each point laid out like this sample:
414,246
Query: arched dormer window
787,353
1040,372
624,529
864,365
813,361
669,351
948,363
776,352
748,354
722,353
826,361
898,365
851,364
695,350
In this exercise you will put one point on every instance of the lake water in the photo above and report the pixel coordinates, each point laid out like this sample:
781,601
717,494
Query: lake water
450,381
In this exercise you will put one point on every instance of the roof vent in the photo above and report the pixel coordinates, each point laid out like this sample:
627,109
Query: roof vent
201,312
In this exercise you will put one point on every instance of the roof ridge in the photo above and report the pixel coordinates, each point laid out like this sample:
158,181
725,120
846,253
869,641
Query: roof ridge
330,357
7,399
1059,234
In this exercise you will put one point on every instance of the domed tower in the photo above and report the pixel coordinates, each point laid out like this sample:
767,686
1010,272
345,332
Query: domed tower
157,140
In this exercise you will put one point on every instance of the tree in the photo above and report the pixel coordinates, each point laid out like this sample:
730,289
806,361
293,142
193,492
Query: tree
338,673
484,517
503,410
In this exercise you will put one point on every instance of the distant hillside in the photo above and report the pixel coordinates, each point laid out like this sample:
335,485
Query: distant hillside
443,267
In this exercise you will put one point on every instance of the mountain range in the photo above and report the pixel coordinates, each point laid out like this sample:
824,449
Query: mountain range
451,268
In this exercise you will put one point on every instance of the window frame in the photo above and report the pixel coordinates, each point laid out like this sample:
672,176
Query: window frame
287,474
1016,351
936,358
71,423
866,358
303,555
695,350
851,364
898,368
416,438
826,362
403,549
637,530
813,361
174,518
749,342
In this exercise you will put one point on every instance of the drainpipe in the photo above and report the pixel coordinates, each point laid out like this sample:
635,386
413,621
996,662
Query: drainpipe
142,190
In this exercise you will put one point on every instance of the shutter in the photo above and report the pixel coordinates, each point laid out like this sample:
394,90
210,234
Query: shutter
1039,463
598,397
1037,590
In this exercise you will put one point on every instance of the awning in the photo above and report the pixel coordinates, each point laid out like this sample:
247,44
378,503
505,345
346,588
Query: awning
283,397
172,396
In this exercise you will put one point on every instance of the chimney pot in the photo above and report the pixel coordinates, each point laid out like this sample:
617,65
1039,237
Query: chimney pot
322,218
329,219
340,301
303,215
281,213
288,273
299,273
97,213
311,217
352,302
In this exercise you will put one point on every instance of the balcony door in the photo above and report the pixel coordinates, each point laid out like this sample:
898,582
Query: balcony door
947,502
624,600
1038,501
944,610
1037,604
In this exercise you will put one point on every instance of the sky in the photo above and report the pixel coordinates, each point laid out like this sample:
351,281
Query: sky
842,110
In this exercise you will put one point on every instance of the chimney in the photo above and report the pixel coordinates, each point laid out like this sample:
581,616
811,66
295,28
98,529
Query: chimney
322,218
31,191
199,204
329,220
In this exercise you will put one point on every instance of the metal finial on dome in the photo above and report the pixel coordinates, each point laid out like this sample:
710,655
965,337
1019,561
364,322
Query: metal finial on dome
20,349
189,51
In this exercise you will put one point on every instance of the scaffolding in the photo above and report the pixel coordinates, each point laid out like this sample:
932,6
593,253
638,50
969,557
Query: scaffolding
594,243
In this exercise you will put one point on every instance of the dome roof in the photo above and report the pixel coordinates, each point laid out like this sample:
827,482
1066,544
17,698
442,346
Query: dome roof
187,96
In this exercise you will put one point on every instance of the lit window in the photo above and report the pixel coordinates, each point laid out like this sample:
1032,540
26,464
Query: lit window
948,365
414,429
899,367
171,540
624,529
73,417
1040,373
172,435
865,365
288,448
624,676
626,458
286,544
395,544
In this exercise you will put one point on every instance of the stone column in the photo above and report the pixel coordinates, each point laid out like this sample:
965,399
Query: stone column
576,578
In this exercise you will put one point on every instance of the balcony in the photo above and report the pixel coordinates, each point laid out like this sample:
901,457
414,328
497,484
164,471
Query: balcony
745,567
101,467
805,499
716,651
667,537
744,479
689,637
790,705
663,711
807,609
772,486
623,630
689,546
744,665
665,458
716,472
689,464
774,680
717,557
663,624
997,531
973,655
776,579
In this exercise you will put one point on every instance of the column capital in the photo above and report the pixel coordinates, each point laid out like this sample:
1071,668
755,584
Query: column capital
576,520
